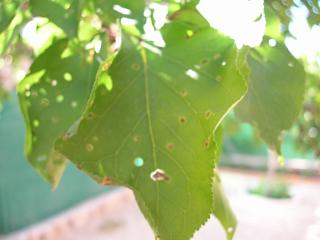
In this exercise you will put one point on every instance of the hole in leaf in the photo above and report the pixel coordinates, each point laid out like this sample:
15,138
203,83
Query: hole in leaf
272,42
159,175
290,64
28,93
36,123
192,74
54,83
189,33
59,98
224,63
230,229
68,77
138,162
74,104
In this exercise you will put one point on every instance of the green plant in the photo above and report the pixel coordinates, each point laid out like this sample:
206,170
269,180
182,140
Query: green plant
272,189
146,115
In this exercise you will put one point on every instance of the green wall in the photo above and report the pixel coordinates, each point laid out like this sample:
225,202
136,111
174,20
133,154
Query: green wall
24,197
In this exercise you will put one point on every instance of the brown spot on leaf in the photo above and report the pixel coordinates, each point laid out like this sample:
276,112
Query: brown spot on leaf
182,119
170,146
106,181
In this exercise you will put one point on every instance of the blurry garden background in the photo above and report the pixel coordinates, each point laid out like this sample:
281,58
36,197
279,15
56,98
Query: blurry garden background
80,209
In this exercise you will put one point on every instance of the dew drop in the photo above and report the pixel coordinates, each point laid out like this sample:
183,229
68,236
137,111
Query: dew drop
138,162
59,98
159,175
36,123
54,83
89,147
67,76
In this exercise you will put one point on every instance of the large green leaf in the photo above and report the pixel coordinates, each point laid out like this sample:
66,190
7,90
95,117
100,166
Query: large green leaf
222,209
275,95
149,124
66,19
52,97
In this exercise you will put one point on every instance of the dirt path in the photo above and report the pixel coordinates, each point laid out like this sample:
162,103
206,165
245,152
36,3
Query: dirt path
117,217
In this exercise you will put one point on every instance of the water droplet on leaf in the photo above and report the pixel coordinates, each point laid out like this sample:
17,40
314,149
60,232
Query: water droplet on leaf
59,98
138,162
68,77
54,83
36,123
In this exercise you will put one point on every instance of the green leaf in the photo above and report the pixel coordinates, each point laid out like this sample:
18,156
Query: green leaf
8,10
153,131
66,19
275,95
111,10
222,209
52,97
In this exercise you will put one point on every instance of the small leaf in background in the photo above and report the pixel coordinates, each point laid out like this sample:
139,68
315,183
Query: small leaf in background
52,97
153,130
111,10
67,20
275,91
222,209
8,10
